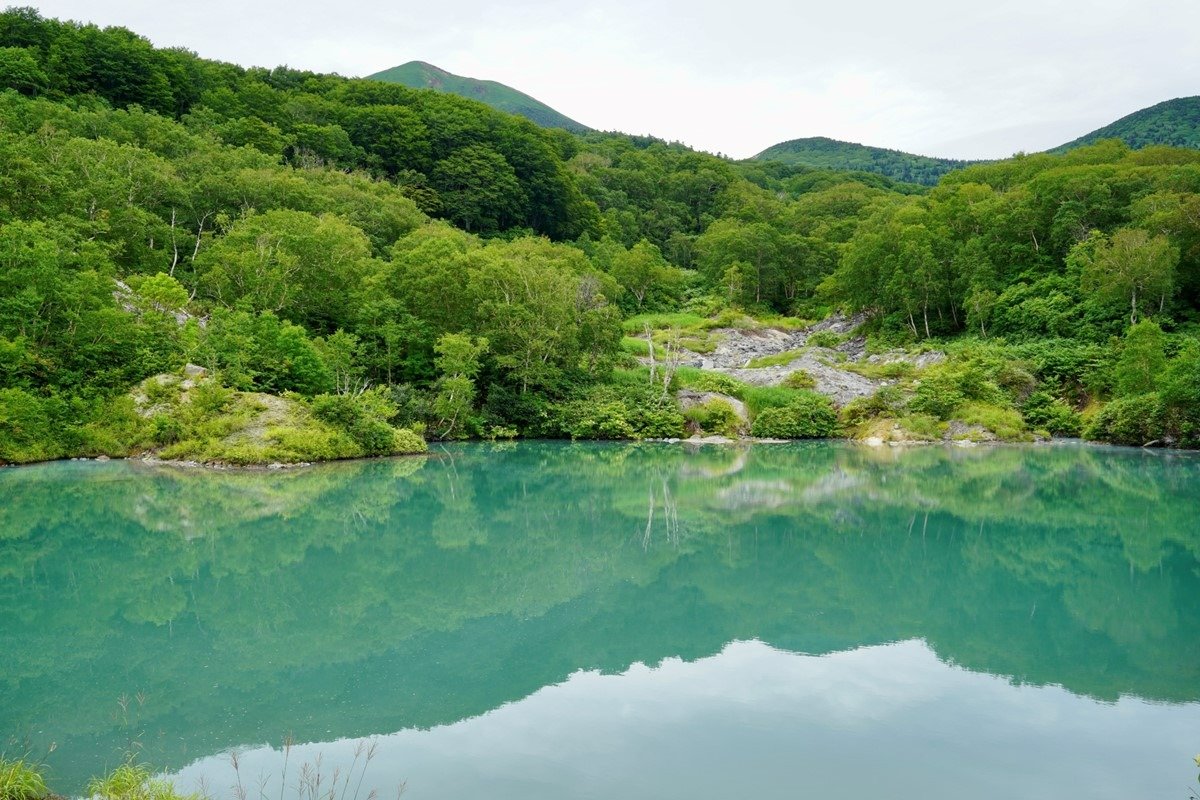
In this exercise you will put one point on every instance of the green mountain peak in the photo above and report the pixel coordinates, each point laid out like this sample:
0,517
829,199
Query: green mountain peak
423,75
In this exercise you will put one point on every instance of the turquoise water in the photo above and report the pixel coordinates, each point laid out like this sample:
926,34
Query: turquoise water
603,620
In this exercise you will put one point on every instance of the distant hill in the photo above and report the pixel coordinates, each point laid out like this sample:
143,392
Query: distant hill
818,151
1174,122
420,75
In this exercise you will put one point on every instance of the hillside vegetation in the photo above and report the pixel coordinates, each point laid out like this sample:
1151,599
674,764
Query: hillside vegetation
388,258
420,75
819,151
1173,122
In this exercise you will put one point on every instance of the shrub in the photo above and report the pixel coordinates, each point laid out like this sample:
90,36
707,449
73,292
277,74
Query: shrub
1054,416
615,412
165,429
800,379
808,416
405,441
886,402
1135,420
161,391
825,339
209,398
938,395
363,416
715,417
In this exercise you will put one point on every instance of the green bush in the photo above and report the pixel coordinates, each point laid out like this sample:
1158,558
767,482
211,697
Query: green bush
165,429
807,416
825,339
800,379
938,396
363,416
1135,420
715,417
615,412
887,402
1054,416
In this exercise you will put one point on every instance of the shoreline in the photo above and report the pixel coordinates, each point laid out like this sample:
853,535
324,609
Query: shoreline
694,441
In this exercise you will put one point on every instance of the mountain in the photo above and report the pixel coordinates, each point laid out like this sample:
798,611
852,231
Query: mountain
1173,122
420,75
819,151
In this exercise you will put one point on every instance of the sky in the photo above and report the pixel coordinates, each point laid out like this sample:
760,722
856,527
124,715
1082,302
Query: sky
947,78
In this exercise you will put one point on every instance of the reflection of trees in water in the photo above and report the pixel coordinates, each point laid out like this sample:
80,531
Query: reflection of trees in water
418,591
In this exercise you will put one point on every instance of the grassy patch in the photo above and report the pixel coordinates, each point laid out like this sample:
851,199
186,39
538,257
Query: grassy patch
1004,422
664,321
826,339
891,370
20,780
704,381
777,359
760,398
635,346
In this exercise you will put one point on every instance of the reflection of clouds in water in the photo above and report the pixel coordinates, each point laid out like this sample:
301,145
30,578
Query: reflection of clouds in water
756,721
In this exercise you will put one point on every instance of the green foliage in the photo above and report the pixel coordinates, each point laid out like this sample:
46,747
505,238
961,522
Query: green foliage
776,359
134,782
1044,412
1006,423
1173,122
365,418
1142,360
829,153
1131,267
825,339
616,412
1135,420
886,402
800,379
706,381
938,396
716,417
806,416
20,780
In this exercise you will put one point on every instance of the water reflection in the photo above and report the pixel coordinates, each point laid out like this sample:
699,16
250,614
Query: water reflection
752,721
358,599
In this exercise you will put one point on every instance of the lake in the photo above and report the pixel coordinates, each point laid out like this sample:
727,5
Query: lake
557,620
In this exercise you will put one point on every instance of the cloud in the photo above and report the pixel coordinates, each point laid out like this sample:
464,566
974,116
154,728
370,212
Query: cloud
933,76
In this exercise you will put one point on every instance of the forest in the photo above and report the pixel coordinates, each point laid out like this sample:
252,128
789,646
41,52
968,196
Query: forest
395,264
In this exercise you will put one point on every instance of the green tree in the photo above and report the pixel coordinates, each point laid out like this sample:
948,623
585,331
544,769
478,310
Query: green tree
1142,360
1134,267
479,190
459,359
20,70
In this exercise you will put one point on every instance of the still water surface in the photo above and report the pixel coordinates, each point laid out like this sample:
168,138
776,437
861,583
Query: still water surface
604,620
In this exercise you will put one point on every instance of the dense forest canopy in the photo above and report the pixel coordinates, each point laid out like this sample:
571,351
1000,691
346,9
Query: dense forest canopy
465,271
819,151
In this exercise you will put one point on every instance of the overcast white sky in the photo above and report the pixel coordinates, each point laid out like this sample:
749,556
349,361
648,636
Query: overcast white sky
938,77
